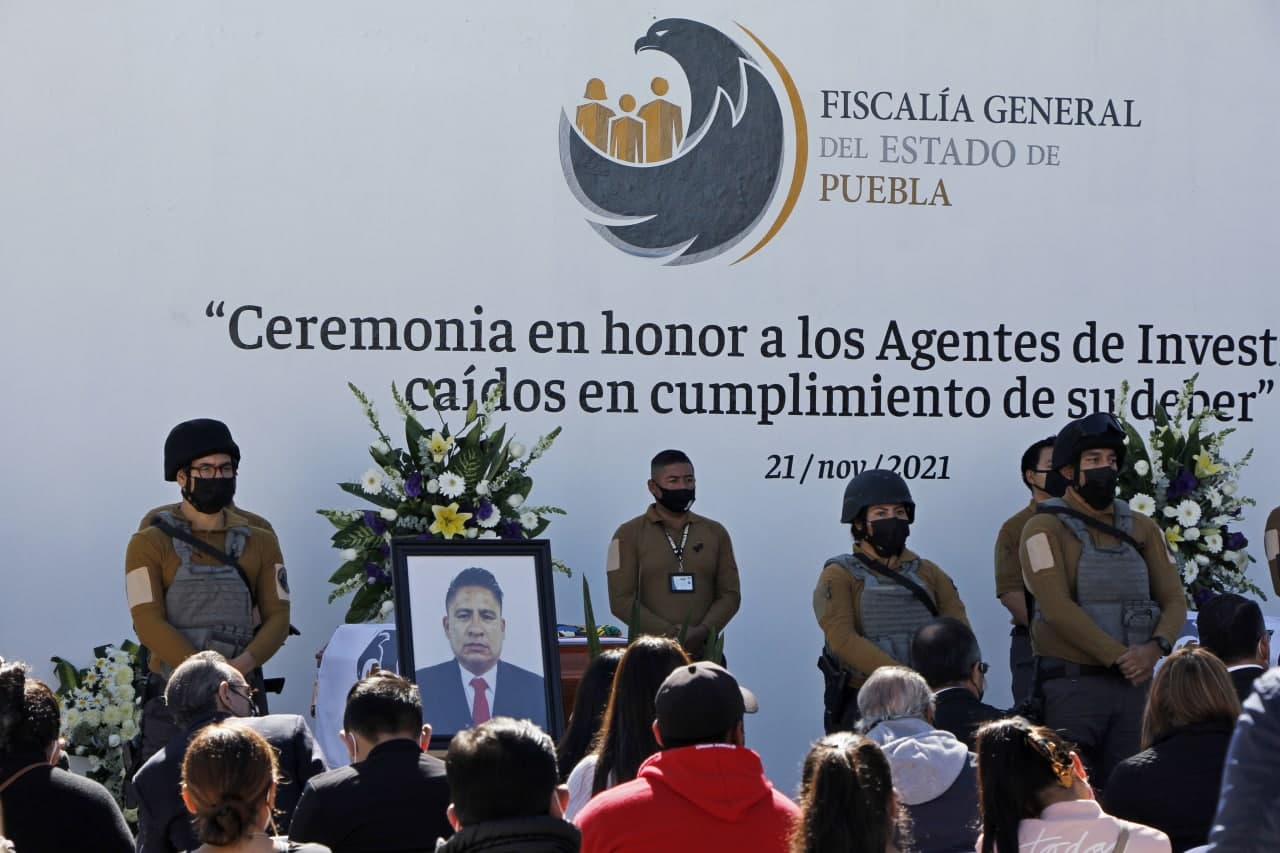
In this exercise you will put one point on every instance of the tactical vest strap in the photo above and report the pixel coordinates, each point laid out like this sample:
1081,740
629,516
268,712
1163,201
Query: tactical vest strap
1052,508
896,577
204,547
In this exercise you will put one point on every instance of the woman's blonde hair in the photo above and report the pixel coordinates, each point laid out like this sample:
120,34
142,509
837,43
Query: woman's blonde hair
1192,686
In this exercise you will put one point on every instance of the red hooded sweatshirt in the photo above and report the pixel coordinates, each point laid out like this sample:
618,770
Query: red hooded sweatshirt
710,797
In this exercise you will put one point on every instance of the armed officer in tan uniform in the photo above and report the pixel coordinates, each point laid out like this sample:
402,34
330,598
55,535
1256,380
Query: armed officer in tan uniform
1271,547
671,567
203,577
1108,600
870,603
1009,589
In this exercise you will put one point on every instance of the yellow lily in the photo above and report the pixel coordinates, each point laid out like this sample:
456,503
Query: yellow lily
1205,466
438,446
1173,535
449,522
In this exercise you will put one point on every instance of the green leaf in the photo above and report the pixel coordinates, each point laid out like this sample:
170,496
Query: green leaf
714,649
346,571
414,432
633,624
589,616
471,411
469,464
355,535
338,518
380,499
538,528
68,675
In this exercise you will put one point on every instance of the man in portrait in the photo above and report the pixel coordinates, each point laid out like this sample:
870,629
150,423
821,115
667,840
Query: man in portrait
476,684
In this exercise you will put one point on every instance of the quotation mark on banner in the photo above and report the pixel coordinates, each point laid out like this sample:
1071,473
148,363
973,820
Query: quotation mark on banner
1266,386
210,311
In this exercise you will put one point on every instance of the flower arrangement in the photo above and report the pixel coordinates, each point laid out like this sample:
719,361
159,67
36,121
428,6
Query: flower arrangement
472,483
1191,490
101,711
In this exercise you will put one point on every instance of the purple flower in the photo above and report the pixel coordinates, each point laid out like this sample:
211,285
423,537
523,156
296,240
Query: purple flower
374,522
509,528
413,485
374,572
1203,595
1234,541
483,510
1182,485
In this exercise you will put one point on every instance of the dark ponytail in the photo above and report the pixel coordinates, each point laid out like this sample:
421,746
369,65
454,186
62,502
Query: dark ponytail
1017,763
228,773
846,798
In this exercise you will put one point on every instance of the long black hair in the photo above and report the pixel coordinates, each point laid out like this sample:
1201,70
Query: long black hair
846,798
588,711
1017,763
626,734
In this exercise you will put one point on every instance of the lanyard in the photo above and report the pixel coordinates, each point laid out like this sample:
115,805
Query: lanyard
678,550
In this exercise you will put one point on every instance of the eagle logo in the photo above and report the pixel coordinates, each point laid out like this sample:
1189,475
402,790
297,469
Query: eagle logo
660,187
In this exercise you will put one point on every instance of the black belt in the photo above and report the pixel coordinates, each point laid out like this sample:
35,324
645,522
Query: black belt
1020,631
1051,668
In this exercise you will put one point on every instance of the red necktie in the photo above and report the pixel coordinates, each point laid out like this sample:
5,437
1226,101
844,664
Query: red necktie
480,707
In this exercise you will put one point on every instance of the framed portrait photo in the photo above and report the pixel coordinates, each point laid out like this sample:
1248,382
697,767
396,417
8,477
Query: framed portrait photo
476,628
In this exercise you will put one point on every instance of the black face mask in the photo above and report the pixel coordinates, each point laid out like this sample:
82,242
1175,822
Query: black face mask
1099,488
1055,484
888,536
676,500
210,494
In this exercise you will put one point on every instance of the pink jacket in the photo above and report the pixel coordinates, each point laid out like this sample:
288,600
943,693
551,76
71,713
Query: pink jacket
1080,826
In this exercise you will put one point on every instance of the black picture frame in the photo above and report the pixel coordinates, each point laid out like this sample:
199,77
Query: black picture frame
423,570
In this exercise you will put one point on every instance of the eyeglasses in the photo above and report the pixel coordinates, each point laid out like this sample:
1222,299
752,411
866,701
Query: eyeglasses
983,666
245,692
205,470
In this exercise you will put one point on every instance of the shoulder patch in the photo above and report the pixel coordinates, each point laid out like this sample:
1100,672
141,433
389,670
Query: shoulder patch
1039,552
282,582
137,586
1272,544
613,561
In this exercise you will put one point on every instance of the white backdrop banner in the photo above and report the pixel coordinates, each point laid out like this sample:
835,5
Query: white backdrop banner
795,240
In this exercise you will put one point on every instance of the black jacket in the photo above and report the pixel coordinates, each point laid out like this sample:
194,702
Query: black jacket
516,835
49,810
960,712
393,800
1243,680
1173,786
164,824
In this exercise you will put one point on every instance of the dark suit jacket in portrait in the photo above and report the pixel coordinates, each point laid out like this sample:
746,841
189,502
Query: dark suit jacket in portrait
1243,679
394,800
958,711
164,825
519,693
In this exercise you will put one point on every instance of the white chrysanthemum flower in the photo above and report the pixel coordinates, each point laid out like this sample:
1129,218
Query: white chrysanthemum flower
388,514
471,532
348,554
1203,559
1213,542
70,718
386,608
1190,571
490,520
1220,520
92,717
113,715
1143,503
482,488
433,487
451,485
1191,534
488,534
516,448
515,500
528,520
1141,468
1215,498
125,692
371,481
1170,512
380,447
128,728
1188,513
1229,489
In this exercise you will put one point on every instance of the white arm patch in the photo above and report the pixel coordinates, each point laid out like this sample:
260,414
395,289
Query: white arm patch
1272,544
1039,552
137,586
614,561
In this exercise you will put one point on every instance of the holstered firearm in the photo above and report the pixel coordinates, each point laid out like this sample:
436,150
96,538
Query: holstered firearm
835,693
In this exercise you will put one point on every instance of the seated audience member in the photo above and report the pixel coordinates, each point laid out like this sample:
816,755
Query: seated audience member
933,772
229,779
1231,626
1248,815
1173,783
625,738
1036,797
588,711
202,690
847,804
46,807
393,796
506,792
945,652
704,790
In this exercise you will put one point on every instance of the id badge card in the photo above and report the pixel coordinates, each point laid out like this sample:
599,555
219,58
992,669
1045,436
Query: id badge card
677,582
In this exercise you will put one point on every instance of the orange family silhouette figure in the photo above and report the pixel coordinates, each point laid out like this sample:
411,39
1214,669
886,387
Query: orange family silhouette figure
653,138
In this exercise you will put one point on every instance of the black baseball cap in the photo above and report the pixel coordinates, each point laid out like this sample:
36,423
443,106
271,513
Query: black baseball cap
701,701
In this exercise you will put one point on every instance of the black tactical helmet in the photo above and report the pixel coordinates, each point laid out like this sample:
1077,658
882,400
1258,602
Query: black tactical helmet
875,486
192,439
1099,430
